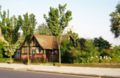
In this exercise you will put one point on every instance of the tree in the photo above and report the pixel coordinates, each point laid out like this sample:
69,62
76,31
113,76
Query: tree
43,29
65,51
82,42
2,44
101,43
115,21
115,54
69,50
28,23
57,21
115,27
10,27
92,51
73,37
102,46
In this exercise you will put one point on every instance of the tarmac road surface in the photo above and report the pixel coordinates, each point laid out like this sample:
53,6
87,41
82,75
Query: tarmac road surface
8,73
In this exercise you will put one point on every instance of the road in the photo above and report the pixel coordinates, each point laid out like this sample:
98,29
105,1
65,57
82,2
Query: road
8,73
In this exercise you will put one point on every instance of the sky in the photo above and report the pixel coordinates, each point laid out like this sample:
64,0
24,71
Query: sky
90,18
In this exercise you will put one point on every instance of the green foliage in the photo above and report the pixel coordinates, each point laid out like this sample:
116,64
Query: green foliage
90,47
103,46
115,54
43,29
105,59
39,60
1,50
84,57
58,19
74,53
101,43
2,44
73,38
115,21
89,52
69,48
80,50
93,51
10,27
81,42
115,28
65,51
94,59
28,24
4,60
73,48
10,49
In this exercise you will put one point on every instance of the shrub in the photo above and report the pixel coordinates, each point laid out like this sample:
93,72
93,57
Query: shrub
106,59
115,54
94,59
4,60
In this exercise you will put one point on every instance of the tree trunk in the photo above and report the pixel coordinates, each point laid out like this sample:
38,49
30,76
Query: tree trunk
28,55
10,59
59,41
44,56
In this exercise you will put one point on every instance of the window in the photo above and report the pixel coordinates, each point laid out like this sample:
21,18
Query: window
33,51
24,50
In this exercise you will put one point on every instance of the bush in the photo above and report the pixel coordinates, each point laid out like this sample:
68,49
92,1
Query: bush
1,56
38,60
1,51
105,59
115,60
18,61
115,54
94,59
4,60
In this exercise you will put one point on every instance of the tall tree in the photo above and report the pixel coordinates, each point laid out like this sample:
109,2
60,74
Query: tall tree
28,26
57,21
10,28
115,21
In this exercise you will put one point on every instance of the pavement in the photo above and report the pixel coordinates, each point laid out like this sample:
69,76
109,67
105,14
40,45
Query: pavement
90,71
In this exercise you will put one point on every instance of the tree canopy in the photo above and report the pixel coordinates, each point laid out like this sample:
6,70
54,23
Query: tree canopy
43,29
28,24
101,43
10,27
115,21
58,19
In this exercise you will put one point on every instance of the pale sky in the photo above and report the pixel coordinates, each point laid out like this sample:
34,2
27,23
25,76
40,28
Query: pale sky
90,17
